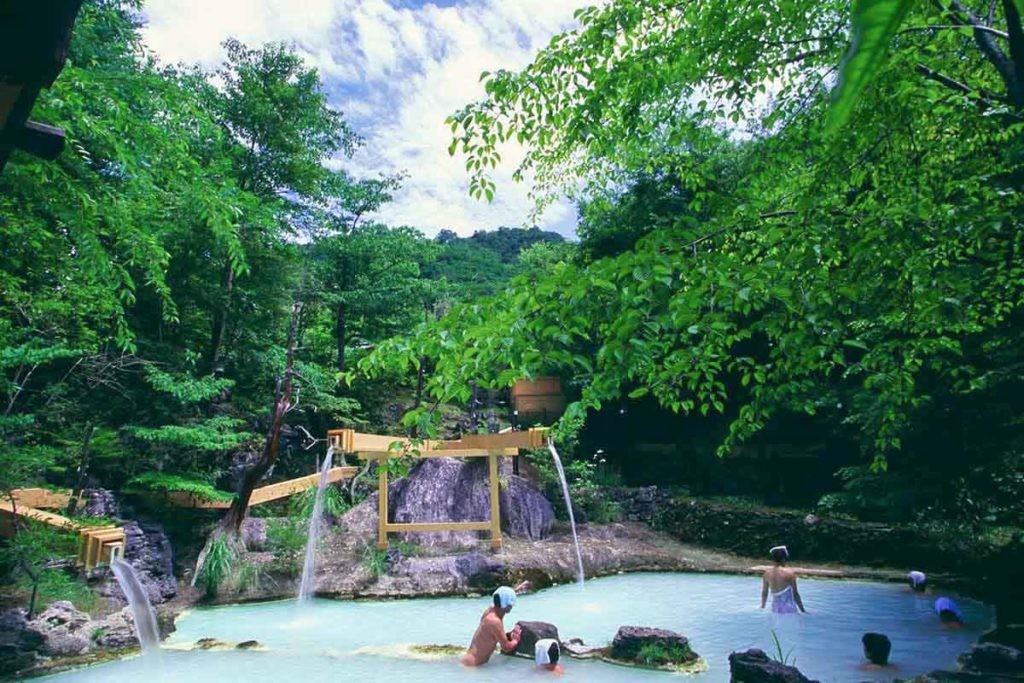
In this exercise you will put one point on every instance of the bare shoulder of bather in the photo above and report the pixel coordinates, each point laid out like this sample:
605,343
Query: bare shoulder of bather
489,634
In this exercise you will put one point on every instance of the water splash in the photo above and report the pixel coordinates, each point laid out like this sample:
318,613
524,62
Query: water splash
142,610
307,585
568,505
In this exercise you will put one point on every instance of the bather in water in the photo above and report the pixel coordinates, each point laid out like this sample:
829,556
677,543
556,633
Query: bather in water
781,581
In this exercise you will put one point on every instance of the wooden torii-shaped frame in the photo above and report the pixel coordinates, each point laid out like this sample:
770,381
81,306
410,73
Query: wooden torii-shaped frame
382,448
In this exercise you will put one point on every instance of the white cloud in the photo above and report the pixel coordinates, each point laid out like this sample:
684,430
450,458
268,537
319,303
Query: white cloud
397,73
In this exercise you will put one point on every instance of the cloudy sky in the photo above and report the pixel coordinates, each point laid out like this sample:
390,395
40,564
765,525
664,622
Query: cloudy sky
396,68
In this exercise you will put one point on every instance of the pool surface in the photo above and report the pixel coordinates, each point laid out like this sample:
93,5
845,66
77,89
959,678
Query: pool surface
328,640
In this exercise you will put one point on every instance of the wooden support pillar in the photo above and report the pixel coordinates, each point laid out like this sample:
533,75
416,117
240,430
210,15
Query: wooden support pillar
492,463
382,498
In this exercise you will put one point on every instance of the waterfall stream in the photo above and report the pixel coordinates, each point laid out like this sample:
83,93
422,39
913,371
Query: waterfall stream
568,505
308,584
142,610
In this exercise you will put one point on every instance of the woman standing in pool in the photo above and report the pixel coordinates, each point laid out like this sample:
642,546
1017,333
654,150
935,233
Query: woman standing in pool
781,581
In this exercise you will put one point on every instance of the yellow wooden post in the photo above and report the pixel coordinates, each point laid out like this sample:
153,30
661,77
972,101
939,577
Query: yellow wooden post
492,462
382,497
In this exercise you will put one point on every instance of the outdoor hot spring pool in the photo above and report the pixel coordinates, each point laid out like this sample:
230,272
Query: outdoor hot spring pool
329,640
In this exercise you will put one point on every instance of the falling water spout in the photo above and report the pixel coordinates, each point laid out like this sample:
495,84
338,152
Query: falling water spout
568,505
142,611
307,585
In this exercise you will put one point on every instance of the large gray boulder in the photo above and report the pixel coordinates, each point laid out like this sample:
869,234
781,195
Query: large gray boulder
254,533
638,643
450,490
754,666
20,645
66,631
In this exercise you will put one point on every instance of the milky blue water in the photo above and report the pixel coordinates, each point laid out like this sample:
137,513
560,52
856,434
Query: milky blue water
327,640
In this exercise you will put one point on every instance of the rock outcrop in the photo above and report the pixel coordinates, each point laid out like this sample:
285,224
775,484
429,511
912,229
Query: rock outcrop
254,533
100,503
450,490
148,551
20,645
66,631
754,666
651,646
116,631
993,659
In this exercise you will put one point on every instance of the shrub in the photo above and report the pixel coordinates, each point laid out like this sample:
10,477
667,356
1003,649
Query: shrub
217,565
375,561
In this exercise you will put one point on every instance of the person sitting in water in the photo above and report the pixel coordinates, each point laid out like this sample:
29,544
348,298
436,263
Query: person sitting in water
782,582
918,581
949,613
546,654
877,647
491,631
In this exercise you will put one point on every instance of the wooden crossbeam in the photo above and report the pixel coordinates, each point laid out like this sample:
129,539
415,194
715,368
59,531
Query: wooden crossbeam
461,453
351,441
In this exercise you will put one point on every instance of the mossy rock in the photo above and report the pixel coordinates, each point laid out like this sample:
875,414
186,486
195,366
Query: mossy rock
694,666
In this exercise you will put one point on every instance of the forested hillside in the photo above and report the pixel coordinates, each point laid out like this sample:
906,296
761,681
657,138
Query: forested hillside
151,276
792,218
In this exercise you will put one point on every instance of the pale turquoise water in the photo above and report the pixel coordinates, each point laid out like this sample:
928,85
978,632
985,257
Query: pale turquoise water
719,613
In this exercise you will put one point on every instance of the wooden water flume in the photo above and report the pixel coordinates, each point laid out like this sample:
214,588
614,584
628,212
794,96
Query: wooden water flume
104,544
382,448
99,544
263,494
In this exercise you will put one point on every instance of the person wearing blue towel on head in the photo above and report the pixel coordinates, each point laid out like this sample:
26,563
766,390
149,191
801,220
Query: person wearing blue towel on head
949,613
490,633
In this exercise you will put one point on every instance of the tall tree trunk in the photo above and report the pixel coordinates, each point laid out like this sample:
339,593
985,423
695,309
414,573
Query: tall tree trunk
232,522
83,469
220,320
340,324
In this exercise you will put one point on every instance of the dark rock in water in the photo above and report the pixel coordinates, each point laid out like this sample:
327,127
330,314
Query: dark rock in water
638,643
248,645
531,632
992,658
254,533
211,644
479,571
100,503
20,645
754,666
449,490
575,647
65,629
148,551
